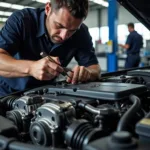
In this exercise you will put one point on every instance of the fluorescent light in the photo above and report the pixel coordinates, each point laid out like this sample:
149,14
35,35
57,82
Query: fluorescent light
100,2
3,19
41,1
13,6
6,5
5,13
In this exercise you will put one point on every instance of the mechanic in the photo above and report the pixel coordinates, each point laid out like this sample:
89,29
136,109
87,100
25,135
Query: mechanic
59,31
133,45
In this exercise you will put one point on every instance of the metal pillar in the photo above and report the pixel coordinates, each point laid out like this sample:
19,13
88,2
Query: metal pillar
112,60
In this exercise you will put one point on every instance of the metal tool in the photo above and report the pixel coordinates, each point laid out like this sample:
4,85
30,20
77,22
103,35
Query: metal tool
64,73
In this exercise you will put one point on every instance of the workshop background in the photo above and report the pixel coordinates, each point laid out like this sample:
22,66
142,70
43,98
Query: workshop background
107,22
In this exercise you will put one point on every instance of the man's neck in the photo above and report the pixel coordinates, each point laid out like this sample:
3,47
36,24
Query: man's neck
132,30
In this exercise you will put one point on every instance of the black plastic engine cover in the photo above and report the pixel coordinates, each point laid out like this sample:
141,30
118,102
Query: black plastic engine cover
97,90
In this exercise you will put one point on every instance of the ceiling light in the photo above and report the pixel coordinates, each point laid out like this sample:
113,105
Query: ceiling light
100,2
6,5
3,19
42,1
13,6
5,13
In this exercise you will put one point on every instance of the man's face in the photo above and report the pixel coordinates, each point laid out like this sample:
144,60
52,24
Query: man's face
60,24
130,29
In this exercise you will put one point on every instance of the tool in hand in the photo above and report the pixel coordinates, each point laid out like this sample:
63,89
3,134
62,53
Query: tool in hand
64,73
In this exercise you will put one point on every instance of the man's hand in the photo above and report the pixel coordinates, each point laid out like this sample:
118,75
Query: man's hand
126,46
43,69
83,74
121,45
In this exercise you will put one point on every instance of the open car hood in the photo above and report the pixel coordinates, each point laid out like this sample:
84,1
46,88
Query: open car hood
138,8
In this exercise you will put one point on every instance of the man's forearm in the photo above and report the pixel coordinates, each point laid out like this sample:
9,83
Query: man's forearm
126,46
10,67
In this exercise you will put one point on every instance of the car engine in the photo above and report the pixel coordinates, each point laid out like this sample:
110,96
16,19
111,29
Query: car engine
65,116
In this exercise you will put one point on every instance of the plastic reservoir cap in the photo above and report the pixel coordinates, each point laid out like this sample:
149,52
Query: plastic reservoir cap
121,140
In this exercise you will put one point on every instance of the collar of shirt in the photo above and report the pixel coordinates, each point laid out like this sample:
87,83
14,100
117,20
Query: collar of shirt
42,29
133,32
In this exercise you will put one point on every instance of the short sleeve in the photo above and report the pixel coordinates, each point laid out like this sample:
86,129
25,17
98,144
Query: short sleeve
11,34
85,55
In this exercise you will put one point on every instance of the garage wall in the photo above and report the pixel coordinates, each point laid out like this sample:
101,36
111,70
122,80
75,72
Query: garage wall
124,17
91,19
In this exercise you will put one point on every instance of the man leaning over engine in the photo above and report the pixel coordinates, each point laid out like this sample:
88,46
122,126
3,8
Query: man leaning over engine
59,31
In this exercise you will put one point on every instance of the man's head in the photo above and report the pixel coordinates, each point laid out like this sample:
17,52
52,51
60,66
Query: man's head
130,27
64,18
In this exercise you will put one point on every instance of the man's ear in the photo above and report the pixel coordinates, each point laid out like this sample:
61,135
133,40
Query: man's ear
47,8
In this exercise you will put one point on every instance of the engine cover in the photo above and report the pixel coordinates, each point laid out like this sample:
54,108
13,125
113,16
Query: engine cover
96,90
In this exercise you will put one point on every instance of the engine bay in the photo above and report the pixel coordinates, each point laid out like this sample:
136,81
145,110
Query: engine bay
65,116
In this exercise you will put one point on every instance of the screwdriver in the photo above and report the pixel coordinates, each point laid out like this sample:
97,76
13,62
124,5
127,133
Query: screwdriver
64,73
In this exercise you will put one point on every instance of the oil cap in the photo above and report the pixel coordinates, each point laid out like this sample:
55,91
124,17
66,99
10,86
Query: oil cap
121,141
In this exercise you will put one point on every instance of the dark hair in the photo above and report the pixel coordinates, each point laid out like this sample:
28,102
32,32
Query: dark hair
131,25
77,8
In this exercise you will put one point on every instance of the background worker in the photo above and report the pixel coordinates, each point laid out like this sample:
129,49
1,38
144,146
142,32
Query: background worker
133,45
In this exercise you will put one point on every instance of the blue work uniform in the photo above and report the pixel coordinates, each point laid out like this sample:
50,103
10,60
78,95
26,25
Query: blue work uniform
24,37
135,42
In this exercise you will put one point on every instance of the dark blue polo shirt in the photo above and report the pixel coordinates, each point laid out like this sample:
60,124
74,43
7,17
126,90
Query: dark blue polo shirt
24,36
135,42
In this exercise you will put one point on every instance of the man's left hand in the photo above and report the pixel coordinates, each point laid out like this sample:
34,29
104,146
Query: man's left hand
81,74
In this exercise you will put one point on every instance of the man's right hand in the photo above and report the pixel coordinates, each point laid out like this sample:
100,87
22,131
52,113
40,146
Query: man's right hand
44,69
